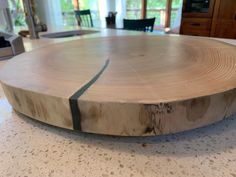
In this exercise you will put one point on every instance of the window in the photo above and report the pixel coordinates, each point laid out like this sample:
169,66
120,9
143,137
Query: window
68,11
157,8
93,5
176,7
17,12
133,9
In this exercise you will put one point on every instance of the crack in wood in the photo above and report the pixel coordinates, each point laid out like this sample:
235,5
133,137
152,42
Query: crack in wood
74,107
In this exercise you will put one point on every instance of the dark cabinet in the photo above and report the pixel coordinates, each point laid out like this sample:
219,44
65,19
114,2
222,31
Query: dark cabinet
198,8
224,22
215,18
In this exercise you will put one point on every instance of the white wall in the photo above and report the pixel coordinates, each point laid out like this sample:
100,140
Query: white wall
106,6
121,9
4,4
5,17
2,20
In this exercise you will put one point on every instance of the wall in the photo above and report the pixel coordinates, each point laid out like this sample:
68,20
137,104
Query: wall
112,5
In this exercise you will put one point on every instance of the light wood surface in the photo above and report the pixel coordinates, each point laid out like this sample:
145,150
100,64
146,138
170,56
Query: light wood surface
152,85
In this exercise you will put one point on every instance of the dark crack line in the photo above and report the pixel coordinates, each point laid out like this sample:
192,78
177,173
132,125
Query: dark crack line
73,100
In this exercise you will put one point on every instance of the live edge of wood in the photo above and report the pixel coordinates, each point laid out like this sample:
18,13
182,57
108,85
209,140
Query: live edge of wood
123,118
103,115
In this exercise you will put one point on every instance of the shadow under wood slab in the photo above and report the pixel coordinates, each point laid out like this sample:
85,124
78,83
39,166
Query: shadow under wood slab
151,85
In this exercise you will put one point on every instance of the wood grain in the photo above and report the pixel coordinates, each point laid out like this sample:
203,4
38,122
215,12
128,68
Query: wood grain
153,85
224,21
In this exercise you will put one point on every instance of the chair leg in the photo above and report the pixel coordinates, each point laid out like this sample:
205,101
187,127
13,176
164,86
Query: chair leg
78,21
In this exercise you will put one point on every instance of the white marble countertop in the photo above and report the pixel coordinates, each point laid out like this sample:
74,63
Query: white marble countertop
30,148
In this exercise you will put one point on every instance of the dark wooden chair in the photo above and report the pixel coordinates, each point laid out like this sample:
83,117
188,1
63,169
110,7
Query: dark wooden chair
145,25
84,18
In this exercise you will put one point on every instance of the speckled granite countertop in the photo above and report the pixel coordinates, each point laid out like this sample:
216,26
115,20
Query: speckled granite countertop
30,148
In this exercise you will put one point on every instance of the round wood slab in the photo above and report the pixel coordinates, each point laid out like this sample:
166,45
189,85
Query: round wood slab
130,85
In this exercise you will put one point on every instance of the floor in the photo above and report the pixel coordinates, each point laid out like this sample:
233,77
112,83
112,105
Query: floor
30,148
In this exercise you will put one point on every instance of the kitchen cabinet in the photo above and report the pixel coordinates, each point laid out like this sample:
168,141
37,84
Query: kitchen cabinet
212,18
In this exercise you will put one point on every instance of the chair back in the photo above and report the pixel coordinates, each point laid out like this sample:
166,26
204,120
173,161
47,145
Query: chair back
84,18
145,25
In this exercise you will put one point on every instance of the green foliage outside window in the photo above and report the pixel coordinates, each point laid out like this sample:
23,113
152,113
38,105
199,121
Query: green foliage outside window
66,5
17,12
133,10
156,4
68,10
92,5
152,3
155,8
176,3
20,17
133,4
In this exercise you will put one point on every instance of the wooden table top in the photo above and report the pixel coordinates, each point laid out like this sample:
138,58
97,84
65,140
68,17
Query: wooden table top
144,69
